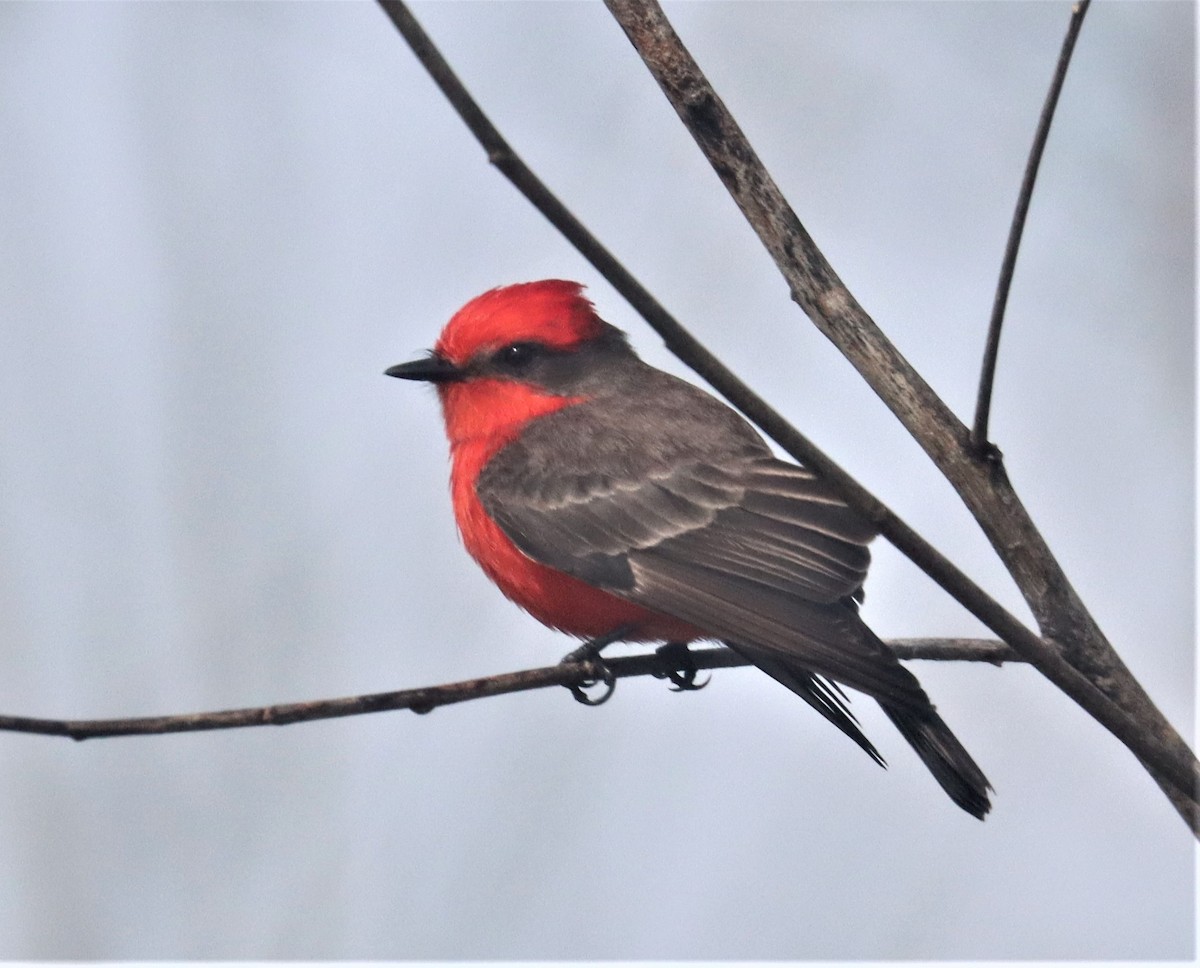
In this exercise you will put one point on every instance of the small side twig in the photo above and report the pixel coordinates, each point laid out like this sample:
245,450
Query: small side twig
960,650
424,700
987,377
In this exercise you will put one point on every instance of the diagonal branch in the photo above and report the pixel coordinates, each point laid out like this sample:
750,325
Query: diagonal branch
1161,750
991,351
688,349
576,674
1083,664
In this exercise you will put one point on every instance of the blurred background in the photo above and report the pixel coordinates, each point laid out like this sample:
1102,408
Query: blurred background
219,223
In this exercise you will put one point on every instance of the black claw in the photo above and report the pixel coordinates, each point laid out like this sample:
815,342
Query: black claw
687,681
579,691
589,653
681,670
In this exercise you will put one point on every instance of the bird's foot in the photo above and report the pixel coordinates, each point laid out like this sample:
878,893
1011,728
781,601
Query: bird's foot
681,670
589,654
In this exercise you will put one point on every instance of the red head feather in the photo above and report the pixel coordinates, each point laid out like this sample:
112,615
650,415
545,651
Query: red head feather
553,311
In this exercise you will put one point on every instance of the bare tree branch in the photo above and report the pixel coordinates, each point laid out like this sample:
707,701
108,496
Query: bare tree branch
577,674
688,349
983,403
960,650
1083,664
1162,750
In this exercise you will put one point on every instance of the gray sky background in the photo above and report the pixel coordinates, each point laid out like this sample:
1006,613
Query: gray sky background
219,223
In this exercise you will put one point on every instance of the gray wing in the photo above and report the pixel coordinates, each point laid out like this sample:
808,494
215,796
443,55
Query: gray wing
758,553
755,551
768,522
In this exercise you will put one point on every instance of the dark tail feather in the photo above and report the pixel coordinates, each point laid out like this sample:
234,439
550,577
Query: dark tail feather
823,695
943,754
910,710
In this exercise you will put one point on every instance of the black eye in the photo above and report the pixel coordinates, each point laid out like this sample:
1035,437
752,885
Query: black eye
516,356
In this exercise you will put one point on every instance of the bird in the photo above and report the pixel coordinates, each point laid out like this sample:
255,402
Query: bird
613,500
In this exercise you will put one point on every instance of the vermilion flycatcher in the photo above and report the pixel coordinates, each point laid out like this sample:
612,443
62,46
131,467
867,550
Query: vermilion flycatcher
602,494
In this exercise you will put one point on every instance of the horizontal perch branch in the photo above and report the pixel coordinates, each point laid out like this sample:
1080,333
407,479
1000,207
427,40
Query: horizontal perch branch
575,674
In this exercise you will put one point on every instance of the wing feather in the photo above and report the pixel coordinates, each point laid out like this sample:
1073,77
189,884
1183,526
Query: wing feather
793,535
756,552
827,640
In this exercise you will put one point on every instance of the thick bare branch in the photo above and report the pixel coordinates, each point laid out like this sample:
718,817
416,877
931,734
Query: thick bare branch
577,674
1084,663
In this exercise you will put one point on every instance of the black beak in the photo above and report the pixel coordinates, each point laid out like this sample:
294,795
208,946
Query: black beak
432,369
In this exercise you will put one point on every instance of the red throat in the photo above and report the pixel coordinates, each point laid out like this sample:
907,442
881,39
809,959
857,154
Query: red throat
493,411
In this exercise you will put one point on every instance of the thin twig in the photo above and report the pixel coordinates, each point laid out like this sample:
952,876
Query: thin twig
983,402
822,294
579,674
960,650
